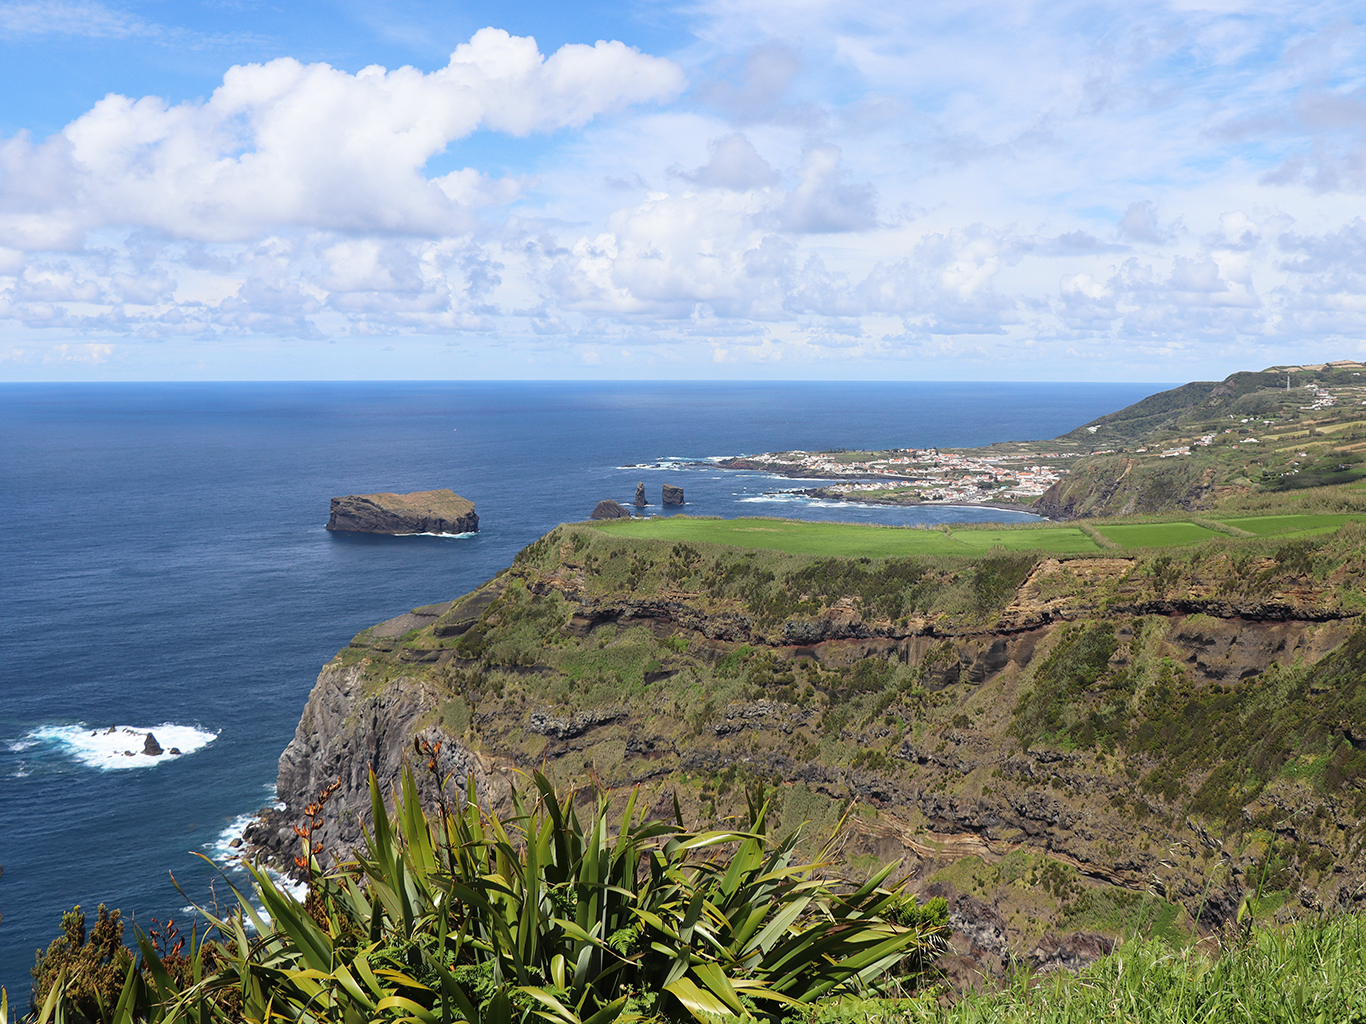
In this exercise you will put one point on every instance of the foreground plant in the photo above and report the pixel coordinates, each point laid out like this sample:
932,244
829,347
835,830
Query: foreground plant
461,914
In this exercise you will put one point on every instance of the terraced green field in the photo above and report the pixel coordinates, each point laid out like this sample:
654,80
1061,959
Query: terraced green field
1268,526
1157,535
1064,539
835,539
847,540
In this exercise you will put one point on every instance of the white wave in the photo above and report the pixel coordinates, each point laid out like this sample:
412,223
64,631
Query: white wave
229,857
21,744
451,536
785,499
120,746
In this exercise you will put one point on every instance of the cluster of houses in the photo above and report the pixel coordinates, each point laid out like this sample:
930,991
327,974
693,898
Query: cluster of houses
934,475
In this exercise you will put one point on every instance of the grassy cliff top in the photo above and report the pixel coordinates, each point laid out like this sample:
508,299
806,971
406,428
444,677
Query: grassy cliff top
848,540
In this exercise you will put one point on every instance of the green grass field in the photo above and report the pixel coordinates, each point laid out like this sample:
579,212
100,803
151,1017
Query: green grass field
851,540
1064,539
1268,526
1156,535
848,540
835,539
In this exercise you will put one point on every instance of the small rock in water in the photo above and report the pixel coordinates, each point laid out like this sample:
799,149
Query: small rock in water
111,729
151,746
236,843
175,751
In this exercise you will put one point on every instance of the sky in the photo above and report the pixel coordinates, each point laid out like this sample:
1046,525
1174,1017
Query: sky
710,189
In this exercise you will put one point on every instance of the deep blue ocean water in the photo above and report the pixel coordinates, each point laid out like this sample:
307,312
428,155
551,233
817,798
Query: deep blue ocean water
163,564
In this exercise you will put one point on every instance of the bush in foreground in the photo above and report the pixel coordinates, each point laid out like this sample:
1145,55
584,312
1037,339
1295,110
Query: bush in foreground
463,915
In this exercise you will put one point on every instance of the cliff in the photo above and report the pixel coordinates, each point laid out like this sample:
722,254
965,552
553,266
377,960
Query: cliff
1127,485
1059,745
441,511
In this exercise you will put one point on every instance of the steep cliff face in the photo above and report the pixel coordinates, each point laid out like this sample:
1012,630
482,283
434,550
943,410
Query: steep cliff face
1123,485
1076,745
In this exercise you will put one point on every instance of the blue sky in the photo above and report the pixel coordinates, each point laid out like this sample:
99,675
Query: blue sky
711,189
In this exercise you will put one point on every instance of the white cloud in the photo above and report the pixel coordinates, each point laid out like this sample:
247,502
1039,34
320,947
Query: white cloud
289,144
854,182
734,164
823,201
1139,224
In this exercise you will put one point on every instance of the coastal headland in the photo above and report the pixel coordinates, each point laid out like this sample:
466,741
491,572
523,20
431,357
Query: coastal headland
1073,731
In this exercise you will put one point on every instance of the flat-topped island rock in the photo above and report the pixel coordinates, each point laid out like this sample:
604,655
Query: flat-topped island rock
441,511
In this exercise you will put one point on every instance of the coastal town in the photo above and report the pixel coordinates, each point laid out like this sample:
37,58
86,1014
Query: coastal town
911,475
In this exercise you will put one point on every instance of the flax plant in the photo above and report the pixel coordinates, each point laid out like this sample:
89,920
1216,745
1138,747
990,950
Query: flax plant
460,914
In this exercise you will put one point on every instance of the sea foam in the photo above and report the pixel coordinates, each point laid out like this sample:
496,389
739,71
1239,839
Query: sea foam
122,747
230,858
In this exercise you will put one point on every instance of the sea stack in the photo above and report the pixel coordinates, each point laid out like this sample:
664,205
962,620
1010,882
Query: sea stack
441,511
151,746
640,495
672,495
610,509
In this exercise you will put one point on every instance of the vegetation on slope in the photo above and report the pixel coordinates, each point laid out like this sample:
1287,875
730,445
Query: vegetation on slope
1203,444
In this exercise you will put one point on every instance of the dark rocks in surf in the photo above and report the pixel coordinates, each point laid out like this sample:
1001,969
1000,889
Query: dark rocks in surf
151,746
640,501
672,495
441,511
610,509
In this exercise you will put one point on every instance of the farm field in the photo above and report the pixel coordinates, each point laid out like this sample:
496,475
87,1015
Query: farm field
1157,535
1269,526
841,540
848,540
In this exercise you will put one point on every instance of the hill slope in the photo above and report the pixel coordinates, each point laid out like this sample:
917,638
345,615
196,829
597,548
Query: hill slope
1205,443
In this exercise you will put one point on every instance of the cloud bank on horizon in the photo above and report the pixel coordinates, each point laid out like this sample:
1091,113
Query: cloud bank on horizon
1007,189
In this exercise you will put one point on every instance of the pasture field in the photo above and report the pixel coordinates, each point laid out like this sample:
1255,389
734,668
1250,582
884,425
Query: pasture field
849,540
842,540
1269,526
852,540
1156,535
1063,539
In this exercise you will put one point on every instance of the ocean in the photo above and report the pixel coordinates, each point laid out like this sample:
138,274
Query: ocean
164,567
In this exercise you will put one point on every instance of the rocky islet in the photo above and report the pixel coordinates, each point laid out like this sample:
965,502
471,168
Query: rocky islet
438,512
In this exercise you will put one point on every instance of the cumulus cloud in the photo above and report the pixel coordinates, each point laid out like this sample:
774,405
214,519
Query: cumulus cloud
734,164
823,201
1140,224
839,181
289,144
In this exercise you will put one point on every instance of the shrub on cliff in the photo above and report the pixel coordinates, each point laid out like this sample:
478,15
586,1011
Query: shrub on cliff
463,914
